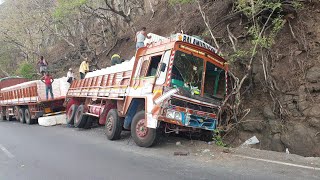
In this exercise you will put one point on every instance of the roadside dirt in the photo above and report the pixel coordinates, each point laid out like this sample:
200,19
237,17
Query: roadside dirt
201,151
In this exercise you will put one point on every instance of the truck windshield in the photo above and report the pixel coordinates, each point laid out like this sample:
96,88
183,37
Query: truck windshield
187,73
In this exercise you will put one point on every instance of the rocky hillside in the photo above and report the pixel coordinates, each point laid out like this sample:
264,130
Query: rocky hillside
273,46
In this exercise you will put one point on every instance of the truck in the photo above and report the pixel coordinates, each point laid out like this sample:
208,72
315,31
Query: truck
26,101
171,85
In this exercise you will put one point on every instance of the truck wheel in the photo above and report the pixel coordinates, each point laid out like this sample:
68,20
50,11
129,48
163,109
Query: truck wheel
27,116
21,115
2,117
113,125
80,118
89,122
16,113
141,134
71,114
8,117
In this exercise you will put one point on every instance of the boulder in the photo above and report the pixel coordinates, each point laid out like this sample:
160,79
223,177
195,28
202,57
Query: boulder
314,122
275,126
313,111
301,140
253,125
276,144
52,120
268,113
313,74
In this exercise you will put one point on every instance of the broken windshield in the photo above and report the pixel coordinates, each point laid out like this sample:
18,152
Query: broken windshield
187,72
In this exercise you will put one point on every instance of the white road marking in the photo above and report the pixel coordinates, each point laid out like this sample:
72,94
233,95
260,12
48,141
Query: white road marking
9,154
279,162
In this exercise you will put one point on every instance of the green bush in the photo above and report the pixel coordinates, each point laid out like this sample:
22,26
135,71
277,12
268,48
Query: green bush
27,70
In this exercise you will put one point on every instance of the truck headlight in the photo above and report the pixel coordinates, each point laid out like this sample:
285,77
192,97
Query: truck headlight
178,116
174,115
170,114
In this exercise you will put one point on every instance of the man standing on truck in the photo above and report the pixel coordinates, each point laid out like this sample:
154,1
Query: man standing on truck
84,68
70,76
43,64
48,80
140,37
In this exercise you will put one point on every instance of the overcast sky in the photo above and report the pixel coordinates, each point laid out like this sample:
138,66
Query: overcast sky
1,1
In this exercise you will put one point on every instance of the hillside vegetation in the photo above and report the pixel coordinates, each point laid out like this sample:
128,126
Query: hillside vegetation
272,46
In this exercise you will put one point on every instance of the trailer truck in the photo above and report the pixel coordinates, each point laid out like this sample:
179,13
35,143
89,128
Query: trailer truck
26,101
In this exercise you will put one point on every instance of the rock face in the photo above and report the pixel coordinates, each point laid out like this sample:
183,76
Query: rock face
302,140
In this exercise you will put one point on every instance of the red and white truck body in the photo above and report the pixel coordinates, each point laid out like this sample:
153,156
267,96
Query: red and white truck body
27,101
172,84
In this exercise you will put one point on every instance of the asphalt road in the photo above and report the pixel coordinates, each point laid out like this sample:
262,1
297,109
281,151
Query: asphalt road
37,153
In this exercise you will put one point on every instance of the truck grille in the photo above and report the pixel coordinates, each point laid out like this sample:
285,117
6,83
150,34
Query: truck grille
189,105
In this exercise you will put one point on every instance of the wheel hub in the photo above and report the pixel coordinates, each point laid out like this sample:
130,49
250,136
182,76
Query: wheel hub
109,123
141,128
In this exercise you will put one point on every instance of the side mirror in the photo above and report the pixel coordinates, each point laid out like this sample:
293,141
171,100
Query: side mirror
163,67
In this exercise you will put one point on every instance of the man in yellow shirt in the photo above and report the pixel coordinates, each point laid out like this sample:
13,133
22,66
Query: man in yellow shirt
115,59
84,68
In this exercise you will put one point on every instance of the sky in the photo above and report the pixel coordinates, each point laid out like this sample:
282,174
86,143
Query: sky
1,1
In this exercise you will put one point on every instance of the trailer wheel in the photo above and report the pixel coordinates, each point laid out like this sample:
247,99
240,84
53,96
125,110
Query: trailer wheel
2,116
16,113
21,115
113,125
80,118
27,116
71,114
8,117
141,134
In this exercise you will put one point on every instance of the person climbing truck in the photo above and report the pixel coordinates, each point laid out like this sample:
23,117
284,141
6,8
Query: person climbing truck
140,37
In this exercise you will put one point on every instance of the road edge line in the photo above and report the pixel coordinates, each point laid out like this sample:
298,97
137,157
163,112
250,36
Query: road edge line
9,154
279,162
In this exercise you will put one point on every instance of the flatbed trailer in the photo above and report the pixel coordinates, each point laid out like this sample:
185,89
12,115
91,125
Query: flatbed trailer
173,85
27,101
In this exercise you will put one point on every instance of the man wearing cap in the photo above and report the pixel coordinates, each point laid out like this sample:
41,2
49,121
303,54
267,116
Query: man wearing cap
84,68
115,59
70,76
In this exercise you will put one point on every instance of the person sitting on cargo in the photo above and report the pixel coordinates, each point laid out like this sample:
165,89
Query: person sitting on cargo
48,80
70,76
84,68
43,64
115,59
140,37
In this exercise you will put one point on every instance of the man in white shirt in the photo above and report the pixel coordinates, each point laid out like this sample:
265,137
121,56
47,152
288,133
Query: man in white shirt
140,37
70,76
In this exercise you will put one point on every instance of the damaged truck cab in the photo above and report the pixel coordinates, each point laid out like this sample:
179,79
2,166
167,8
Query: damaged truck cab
173,84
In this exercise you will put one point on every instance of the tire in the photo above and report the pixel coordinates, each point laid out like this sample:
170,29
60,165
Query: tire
89,122
16,113
27,116
8,117
2,117
141,134
113,125
3,114
71,114
21,115
80,118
